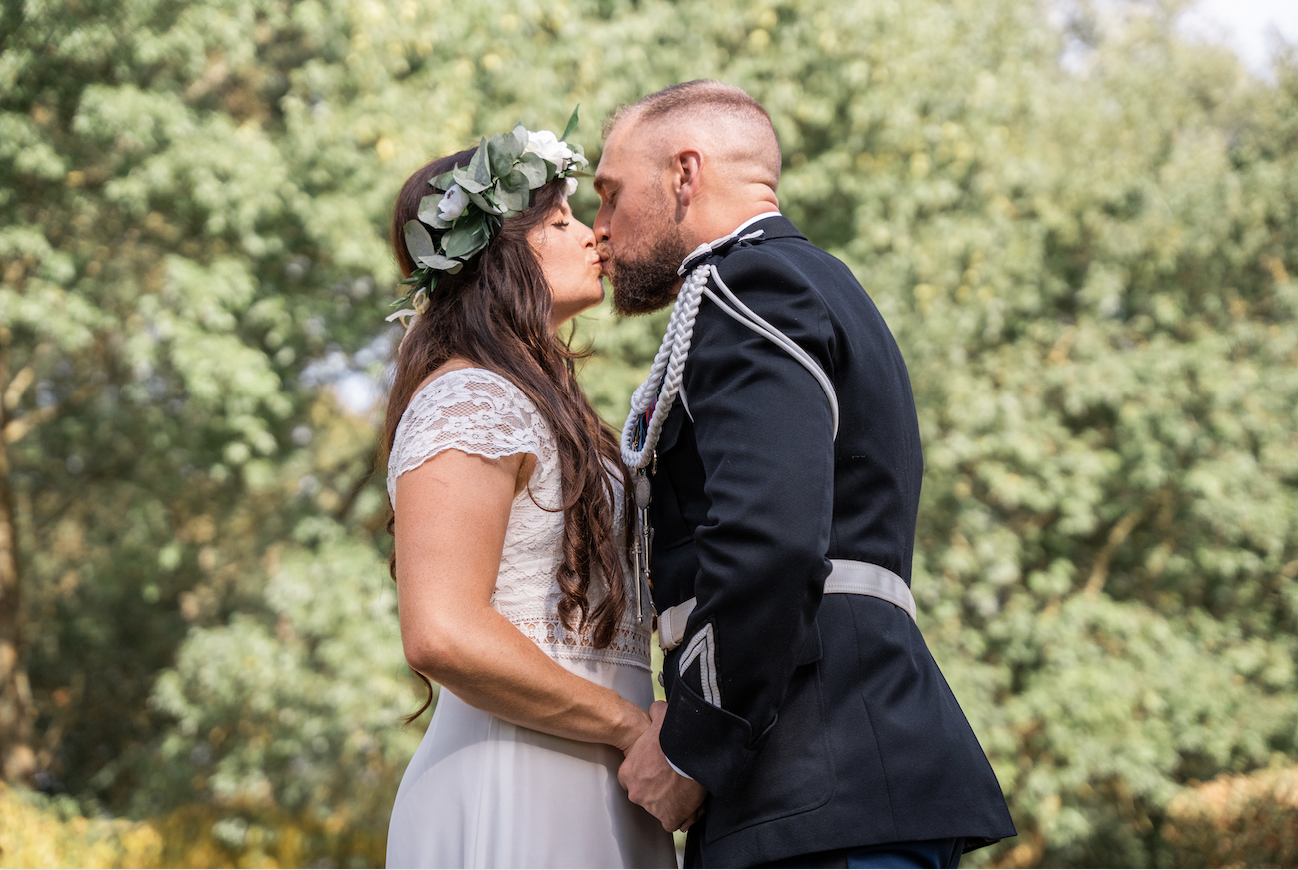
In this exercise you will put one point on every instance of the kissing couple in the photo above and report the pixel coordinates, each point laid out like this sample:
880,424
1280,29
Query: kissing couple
758,511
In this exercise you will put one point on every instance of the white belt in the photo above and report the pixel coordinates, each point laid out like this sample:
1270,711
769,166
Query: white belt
846,576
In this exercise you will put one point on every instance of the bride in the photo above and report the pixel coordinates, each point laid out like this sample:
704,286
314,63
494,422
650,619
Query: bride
508,496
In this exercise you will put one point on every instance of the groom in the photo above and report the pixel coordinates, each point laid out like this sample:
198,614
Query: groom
806,724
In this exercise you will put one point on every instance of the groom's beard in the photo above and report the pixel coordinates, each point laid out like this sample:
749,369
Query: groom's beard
649,282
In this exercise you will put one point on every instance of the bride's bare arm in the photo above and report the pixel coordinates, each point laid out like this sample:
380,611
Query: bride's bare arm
451,515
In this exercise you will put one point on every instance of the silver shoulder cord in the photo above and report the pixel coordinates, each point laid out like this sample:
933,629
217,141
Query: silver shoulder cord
663,385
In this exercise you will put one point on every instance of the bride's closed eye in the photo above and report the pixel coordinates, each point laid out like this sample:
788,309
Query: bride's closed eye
563,225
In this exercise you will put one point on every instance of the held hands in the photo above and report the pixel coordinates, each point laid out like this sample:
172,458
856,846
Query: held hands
676,801
635,723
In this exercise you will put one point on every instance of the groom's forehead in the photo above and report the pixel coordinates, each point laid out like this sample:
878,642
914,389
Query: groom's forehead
612,160
609,175
628,152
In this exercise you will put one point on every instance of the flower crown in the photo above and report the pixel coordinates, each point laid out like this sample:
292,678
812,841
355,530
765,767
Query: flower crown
497,183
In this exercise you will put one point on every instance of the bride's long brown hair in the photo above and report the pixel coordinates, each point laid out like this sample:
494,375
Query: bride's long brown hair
495,314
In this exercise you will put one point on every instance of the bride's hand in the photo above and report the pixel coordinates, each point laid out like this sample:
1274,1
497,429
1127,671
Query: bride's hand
635,722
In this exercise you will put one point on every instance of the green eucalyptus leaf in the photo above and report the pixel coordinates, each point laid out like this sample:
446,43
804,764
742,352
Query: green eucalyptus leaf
512,192
462,243
482,223
418,242
465,178
428,211
480,165
579,160
468,236
497,157
444,181
572,124
502,151
443,264
534,169
515,180
482,202
520,140
513,205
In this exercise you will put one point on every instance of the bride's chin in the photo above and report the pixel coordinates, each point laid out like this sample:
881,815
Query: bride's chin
596,296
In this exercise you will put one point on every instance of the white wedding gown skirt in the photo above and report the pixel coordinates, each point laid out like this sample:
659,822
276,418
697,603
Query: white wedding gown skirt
482,792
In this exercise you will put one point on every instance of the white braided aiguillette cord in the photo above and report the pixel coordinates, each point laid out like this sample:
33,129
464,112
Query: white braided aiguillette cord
668,370
643,395
671,356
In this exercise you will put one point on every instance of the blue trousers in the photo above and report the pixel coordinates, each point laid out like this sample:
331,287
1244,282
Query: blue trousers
915,853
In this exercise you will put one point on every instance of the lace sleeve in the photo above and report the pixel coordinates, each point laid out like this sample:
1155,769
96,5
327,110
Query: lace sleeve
471,410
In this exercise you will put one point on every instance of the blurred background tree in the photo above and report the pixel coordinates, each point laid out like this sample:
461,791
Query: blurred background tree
1082,235
179,244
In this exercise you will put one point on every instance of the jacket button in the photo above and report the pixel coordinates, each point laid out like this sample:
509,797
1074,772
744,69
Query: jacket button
661,681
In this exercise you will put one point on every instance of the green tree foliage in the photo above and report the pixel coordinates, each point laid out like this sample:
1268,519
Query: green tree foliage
1083,238
303,710
179,240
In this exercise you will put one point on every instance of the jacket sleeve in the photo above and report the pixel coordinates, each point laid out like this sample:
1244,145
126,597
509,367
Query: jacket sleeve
765,437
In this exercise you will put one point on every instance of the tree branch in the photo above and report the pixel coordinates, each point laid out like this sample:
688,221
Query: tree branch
1118,534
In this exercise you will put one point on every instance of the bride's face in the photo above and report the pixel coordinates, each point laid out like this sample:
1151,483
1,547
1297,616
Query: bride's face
566,249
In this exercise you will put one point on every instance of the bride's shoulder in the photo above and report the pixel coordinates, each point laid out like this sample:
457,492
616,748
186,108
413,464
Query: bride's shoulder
470,409
471,396
452,380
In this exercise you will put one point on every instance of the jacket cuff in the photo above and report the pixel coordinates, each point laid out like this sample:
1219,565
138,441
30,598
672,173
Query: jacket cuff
706,743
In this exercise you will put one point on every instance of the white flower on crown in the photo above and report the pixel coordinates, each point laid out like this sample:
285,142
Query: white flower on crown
547,146
571,187
453,203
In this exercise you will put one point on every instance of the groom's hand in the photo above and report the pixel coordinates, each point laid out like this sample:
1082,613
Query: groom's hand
673,799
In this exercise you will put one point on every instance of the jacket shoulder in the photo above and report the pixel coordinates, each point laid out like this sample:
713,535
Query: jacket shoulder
778,280
782,259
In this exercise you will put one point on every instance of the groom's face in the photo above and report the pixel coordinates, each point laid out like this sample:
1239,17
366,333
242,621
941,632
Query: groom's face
636,229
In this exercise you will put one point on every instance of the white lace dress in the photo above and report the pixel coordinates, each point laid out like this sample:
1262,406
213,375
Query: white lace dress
482,792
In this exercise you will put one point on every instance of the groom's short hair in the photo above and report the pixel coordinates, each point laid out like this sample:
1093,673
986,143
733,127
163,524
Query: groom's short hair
689,96
701,96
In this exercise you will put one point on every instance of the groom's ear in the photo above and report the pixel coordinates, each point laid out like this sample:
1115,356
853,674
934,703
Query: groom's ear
688,169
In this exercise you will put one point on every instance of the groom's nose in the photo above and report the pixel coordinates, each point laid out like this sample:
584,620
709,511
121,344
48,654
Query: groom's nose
601,224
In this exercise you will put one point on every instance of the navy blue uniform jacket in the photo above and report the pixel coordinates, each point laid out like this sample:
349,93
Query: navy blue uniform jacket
834,726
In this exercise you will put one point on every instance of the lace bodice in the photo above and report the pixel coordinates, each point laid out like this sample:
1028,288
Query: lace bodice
480,412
